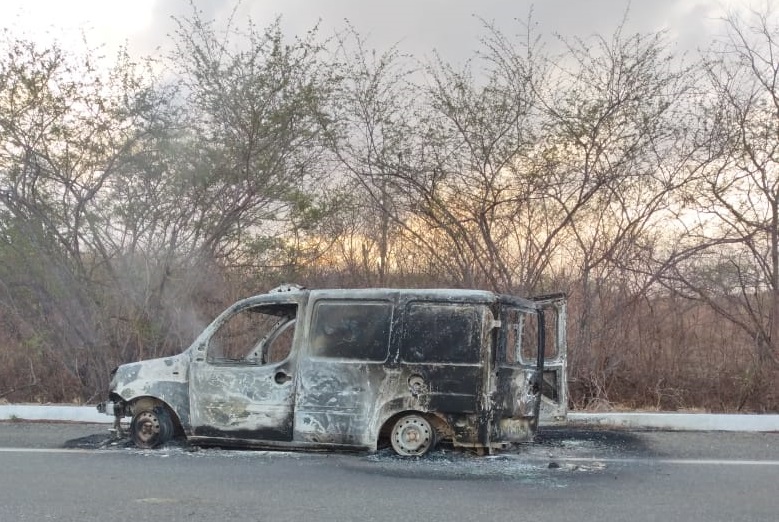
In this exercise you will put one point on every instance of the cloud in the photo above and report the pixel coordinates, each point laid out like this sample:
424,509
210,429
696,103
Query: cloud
451,27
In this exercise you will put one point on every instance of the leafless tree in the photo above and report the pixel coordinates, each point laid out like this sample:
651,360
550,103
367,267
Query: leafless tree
730,259
619,134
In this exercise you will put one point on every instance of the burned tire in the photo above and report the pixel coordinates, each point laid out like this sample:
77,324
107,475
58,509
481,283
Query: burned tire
151,428
412,436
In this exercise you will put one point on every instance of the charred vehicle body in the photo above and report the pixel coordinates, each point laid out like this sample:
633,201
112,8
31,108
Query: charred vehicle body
356,369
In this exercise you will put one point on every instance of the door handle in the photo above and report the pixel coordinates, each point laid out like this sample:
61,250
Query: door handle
282,377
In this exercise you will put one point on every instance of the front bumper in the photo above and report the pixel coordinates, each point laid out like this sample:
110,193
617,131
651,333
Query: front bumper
114,409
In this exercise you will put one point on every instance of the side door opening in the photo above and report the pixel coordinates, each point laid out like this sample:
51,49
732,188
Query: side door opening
342,371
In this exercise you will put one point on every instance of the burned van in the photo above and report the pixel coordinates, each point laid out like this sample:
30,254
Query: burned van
356,369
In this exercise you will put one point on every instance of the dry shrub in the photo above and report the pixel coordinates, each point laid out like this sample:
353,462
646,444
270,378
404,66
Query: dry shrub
665,353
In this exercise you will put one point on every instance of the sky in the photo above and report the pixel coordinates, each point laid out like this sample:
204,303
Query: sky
450,27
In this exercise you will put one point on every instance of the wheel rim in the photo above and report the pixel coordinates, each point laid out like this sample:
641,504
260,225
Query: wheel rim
412,436
147,428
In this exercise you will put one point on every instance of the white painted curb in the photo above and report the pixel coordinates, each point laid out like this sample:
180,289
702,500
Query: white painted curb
53,413
661,421
680,421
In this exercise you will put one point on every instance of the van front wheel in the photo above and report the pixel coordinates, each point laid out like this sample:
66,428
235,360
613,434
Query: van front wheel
151,428
412,436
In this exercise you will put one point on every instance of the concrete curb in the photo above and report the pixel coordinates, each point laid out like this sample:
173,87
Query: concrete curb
661,421
680,421
54,412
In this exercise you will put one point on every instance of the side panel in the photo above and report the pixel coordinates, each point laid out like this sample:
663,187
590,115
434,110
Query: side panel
366,361
443,351
164,379
337,402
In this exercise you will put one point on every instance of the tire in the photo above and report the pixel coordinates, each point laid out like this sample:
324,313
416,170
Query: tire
412,435
151,428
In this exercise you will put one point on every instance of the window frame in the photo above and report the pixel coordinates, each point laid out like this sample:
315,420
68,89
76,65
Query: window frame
250,359
477,310
314,351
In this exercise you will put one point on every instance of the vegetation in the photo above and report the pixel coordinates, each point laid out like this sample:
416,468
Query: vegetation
135,204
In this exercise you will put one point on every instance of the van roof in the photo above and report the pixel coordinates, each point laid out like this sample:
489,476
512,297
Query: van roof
426,294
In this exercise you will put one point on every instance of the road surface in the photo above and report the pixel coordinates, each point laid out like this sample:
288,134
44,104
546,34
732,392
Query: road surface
71,472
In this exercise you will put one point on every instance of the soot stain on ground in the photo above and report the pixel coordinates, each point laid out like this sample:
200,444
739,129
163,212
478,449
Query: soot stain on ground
542,462
581,442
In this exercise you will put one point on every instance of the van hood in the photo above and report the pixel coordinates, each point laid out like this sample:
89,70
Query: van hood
142,378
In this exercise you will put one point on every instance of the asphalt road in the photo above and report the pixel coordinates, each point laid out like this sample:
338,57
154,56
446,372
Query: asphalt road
71,472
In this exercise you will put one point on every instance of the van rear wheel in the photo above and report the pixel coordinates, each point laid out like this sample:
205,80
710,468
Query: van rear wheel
412,436
151,428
